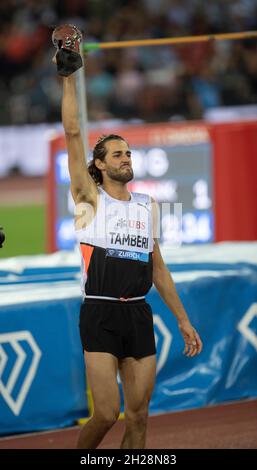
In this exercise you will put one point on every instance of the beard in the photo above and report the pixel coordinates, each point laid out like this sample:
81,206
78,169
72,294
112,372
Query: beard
123,175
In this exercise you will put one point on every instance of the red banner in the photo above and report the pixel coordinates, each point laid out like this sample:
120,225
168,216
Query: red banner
235,180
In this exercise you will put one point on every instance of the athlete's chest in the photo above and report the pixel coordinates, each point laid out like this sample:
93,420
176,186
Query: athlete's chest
127,226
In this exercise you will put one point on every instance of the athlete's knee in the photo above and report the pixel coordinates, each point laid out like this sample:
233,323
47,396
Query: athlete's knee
107,417
137,417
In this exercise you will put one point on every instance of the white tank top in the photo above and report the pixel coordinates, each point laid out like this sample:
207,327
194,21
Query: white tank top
116,247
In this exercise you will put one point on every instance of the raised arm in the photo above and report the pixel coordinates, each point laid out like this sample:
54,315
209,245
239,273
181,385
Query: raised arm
83,187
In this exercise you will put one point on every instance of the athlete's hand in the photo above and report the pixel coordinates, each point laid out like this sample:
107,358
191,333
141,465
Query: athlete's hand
193,343
67,38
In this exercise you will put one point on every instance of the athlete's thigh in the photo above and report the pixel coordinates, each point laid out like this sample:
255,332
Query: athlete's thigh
101,370
138,379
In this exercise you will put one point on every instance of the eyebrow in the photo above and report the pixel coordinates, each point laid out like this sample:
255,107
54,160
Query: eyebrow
120,151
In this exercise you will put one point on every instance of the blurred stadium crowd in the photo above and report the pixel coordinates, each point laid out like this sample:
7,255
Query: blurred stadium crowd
148,83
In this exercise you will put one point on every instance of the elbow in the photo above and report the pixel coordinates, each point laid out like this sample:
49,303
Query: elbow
71,126
72,131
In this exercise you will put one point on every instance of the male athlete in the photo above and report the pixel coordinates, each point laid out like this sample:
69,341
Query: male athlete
120,260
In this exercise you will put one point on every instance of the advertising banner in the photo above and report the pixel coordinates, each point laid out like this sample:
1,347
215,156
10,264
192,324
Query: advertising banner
42,381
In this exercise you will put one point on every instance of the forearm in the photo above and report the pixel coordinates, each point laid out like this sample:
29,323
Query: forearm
70,117
167,290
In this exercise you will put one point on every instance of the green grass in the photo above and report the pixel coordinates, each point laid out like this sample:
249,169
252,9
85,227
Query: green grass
25,230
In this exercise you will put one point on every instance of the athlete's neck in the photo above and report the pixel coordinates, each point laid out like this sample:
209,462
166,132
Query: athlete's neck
117,190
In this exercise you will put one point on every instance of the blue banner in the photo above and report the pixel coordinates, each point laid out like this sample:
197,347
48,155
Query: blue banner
223,308
41,366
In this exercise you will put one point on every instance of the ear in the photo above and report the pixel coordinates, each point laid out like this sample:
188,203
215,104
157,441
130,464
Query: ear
99,164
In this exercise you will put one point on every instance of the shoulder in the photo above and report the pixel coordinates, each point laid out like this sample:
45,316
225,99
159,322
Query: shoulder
141,197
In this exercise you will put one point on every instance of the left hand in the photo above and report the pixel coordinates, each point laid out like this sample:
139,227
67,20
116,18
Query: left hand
193,343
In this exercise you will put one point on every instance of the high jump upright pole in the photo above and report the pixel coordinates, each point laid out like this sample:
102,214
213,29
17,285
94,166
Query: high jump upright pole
82,103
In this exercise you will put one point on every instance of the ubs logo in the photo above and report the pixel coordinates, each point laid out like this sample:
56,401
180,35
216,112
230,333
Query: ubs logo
121,223
246,326
130,223
19,359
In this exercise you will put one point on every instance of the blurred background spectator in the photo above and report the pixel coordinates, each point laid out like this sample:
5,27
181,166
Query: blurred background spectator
149,83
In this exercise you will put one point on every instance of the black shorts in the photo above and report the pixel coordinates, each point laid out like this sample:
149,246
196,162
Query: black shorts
124,329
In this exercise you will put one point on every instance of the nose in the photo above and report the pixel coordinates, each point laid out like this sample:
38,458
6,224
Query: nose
126,159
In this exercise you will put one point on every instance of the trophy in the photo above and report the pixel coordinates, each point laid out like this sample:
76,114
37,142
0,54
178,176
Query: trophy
67,38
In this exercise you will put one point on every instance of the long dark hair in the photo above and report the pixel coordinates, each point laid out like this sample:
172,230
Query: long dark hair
100,152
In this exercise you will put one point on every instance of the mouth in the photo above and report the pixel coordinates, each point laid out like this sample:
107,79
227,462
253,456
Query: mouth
126,166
